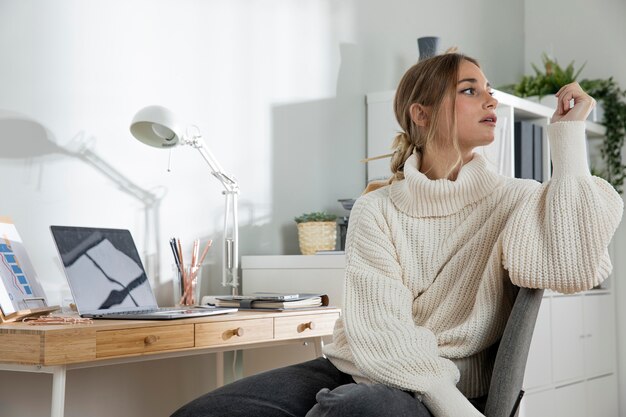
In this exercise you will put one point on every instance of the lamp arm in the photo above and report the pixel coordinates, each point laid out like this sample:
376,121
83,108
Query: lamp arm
230,264
228,181
230,261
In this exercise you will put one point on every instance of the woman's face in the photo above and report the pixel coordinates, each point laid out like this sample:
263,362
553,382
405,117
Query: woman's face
475,108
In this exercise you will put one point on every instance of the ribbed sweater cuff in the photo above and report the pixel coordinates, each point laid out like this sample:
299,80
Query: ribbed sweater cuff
568,148
445,400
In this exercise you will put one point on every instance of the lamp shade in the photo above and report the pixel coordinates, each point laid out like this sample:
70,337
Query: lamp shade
156,126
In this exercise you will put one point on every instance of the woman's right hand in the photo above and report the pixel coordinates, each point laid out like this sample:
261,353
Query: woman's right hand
583,104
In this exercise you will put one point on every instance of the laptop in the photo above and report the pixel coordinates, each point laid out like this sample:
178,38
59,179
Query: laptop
107,278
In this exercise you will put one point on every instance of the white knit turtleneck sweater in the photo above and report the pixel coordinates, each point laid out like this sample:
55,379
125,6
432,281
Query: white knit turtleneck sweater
430,265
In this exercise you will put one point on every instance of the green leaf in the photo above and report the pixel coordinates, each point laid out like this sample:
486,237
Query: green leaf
317,216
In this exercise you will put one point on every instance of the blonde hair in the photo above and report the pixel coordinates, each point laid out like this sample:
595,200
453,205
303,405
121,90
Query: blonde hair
427,83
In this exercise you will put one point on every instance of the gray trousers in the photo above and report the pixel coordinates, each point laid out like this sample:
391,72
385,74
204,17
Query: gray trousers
312,389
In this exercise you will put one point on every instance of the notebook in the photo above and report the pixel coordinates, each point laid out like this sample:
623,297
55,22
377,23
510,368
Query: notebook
107,278
272,301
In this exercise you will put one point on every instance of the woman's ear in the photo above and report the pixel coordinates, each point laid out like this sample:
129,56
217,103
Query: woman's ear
419,114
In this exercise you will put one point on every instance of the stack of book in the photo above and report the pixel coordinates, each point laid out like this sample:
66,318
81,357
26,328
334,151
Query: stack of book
272,301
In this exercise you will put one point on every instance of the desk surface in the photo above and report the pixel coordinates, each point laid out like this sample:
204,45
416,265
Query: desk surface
46,345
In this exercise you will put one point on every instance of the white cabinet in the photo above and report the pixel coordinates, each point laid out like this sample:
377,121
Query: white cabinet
571,401
602,396
538,404
592,398
295,273
567,339
599,335
583,336
539,366
572,370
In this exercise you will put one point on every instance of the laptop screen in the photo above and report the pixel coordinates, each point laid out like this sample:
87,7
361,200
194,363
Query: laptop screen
103,269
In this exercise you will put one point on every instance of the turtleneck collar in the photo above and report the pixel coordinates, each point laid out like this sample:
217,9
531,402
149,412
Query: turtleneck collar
419,196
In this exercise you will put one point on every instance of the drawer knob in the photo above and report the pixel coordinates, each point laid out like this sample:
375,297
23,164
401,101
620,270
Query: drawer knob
237,332
309,325
149,340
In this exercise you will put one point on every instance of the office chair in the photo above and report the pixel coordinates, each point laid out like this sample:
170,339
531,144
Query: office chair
505,391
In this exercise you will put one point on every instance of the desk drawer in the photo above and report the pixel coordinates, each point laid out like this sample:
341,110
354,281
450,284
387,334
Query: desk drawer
234,332
143,340
289,327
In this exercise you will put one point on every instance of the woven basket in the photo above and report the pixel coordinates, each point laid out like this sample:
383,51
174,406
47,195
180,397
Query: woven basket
314,236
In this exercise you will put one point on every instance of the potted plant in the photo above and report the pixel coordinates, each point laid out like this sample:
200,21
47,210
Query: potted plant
316,231
552,77
546,81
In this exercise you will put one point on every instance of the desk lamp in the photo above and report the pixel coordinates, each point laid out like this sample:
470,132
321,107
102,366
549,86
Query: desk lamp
157,126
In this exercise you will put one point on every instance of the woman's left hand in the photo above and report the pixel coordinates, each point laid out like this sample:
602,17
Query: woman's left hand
583,104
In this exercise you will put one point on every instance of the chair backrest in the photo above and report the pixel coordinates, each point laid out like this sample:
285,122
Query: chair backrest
508,370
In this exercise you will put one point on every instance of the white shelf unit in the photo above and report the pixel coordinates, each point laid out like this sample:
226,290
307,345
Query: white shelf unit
572,363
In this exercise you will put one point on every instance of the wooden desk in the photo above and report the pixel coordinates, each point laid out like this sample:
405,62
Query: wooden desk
55,349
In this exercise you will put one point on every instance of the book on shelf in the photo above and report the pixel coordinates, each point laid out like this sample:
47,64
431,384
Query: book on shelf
528,140
538,153
523,139
272,302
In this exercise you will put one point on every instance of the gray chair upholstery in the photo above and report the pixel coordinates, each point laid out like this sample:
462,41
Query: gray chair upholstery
508,372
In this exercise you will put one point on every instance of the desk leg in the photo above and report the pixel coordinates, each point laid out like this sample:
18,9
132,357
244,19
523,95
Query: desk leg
219,369
58,391
319,344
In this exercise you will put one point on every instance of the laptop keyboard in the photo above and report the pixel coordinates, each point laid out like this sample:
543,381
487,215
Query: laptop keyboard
146,311
117,313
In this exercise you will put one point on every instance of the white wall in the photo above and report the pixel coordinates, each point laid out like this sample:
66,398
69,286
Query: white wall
277,88
591,32
586,32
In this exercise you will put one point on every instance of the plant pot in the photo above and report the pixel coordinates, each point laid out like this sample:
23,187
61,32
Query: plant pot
547,100
427,46
316,236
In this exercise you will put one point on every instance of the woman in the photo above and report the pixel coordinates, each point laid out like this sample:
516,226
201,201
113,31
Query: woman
432,259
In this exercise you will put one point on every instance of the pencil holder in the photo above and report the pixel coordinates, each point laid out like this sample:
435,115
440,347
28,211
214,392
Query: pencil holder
186,285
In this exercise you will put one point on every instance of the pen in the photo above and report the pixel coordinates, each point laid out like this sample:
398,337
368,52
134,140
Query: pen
196,263
205,251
